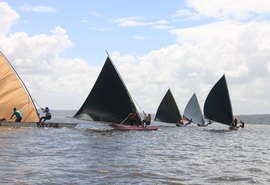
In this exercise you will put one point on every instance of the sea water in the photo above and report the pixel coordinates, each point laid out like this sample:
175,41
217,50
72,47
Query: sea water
93,153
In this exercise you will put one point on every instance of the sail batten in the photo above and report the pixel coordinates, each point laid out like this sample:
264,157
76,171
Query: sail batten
109,99
217,105
14,94
167,110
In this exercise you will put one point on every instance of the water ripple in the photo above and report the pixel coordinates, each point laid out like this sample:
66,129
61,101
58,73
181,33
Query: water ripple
99,155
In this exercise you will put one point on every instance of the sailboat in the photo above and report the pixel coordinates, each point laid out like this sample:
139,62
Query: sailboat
14,94
167,110
109,101
217,106
193,111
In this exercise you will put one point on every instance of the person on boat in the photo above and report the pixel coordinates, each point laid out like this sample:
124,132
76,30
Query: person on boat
146,120
180,122
18,115
47,116
242,124
234,123
132,117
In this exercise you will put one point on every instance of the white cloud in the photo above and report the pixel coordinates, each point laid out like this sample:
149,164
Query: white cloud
52,80
38,9
162,27
193,64
232,43
115,55
187,14
241,51
230,8
8,17
203,55
129,21
136,21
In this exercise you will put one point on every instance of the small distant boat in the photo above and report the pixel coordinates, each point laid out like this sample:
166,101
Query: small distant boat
193,112
167,110
14,94
217,106
109,101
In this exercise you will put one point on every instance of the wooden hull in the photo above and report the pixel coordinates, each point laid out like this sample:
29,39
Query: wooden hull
135,128
33,124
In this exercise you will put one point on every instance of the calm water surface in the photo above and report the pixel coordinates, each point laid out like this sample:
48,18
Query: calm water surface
93,153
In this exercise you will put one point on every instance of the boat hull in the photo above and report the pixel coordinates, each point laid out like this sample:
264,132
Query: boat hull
135,128
33,124
233,128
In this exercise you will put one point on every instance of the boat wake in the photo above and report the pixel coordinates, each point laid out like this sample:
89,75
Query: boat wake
99,130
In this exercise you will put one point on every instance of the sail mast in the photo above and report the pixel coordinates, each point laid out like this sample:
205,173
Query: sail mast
229,97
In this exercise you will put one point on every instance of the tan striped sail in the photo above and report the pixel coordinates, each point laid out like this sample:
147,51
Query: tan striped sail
13,93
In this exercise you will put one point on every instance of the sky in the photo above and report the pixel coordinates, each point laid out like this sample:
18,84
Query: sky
58,48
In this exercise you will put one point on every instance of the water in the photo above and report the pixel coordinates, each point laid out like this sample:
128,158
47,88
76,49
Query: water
93,153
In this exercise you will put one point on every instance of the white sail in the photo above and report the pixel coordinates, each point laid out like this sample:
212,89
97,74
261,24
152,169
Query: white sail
193,111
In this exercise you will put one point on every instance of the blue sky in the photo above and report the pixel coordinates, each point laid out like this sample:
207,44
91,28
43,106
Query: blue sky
58,48
93,26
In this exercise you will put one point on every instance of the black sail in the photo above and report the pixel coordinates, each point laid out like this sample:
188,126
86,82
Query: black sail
217,106
109,99
168,111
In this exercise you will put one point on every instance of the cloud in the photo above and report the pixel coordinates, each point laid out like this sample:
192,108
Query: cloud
130,21
201,56
8,17
198,58
38,9
122,59
135,21
234,44
162,27
185,13
224,9
52,80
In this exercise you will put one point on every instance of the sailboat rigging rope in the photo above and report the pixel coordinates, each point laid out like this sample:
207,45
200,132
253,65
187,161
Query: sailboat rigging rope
37,103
